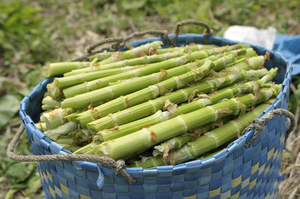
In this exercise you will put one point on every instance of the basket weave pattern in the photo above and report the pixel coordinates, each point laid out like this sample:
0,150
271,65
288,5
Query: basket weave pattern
236,172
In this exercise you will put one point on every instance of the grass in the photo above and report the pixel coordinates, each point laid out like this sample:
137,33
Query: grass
34,33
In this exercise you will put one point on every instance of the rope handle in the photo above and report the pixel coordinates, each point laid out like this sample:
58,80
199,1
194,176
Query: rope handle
163,34
117,166
259,124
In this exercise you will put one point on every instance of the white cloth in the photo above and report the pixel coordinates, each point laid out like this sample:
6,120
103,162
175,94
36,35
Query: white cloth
252,35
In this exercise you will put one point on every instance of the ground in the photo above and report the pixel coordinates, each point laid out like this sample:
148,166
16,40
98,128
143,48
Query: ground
34,33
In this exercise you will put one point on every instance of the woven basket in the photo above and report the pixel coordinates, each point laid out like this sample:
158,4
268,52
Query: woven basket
235,172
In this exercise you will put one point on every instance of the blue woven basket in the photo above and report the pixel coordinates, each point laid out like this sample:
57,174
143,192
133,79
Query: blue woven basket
236,172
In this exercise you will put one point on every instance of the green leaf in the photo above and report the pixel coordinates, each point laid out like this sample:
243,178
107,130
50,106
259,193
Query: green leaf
19,171
34,184
10,194
135,4
2,36
9,106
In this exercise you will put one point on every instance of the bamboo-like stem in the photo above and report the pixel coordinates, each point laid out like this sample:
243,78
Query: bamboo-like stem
139,51
159,116
192,48
63,67
55,92
141,96
101,56
137,62
151,68
147,108
48,103
136,84
68,81
216,137
63,129
83,135
103,82
148,137
87,149
55,117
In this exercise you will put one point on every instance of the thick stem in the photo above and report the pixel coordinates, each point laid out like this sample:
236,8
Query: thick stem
148,137
104,82
64,129
68,81
216,137
55,117
150,107
48,103
139,51
63,67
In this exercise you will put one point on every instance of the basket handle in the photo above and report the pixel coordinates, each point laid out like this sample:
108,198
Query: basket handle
163,34
207,33
117,166
259,124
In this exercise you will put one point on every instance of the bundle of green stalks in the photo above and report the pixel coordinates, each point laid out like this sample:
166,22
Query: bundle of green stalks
153,106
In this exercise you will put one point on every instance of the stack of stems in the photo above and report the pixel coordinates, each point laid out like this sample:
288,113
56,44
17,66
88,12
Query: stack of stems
122,102
148,137
149,69
113,91
207,142
150,107
159,116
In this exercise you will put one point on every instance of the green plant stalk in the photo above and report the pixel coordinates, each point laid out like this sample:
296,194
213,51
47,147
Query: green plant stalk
253,63
109,134
101,56
151,68
63,82
63,129
96,67
131,62
155,161
71,148
147,108
118,55
149,93
148,137
65,139
139,51
178,141
48,103
55,91
55,117
216,137
159,116
63,67
148,162
153,135
169,80
226,93
197,47
103,82
193,48
41,126
87,148
83,135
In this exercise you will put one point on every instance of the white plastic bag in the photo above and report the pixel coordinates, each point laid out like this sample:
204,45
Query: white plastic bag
252,35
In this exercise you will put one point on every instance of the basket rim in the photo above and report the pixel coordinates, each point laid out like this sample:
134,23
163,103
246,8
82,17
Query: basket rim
196,164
